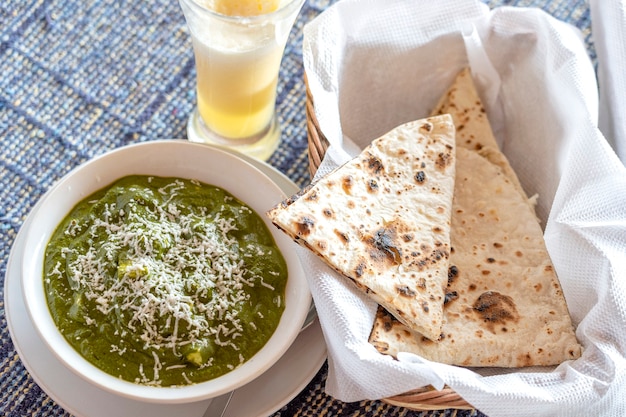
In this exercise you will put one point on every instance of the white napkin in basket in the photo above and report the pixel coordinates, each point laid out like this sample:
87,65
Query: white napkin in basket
374,64
609,35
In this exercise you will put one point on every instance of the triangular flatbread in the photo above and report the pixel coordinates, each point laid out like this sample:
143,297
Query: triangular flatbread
473,130
504,305
462,102
383,220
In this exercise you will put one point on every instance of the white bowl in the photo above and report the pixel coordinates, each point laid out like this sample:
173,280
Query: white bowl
173,158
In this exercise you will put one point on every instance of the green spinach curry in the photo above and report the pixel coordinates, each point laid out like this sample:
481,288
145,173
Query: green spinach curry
164,281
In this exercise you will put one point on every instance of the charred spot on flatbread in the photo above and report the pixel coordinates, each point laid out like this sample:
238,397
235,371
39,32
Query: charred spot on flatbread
311,196
496,309
375,165
421,283
360,269
427,126
420,177
304,225
382,245
343,236
372,185
444,159
428,256
450,296
405,291
453,272
347,183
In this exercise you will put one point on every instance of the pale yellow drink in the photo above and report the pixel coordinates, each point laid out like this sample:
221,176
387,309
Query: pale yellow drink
238,46
237,89
237,80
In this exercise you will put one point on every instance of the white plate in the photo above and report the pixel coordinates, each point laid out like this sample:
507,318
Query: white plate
163,158
261,397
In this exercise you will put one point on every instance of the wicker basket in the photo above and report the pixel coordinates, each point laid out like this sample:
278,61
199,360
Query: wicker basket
318,144
421,399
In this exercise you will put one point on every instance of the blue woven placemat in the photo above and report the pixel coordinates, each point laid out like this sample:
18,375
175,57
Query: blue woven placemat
79,78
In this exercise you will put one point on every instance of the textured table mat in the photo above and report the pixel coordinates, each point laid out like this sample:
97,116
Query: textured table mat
79,78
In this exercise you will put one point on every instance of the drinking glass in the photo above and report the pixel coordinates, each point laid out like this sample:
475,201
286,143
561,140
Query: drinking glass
238,46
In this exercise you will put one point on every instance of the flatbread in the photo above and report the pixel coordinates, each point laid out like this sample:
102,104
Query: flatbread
383,220
473,130
462,102
504,304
